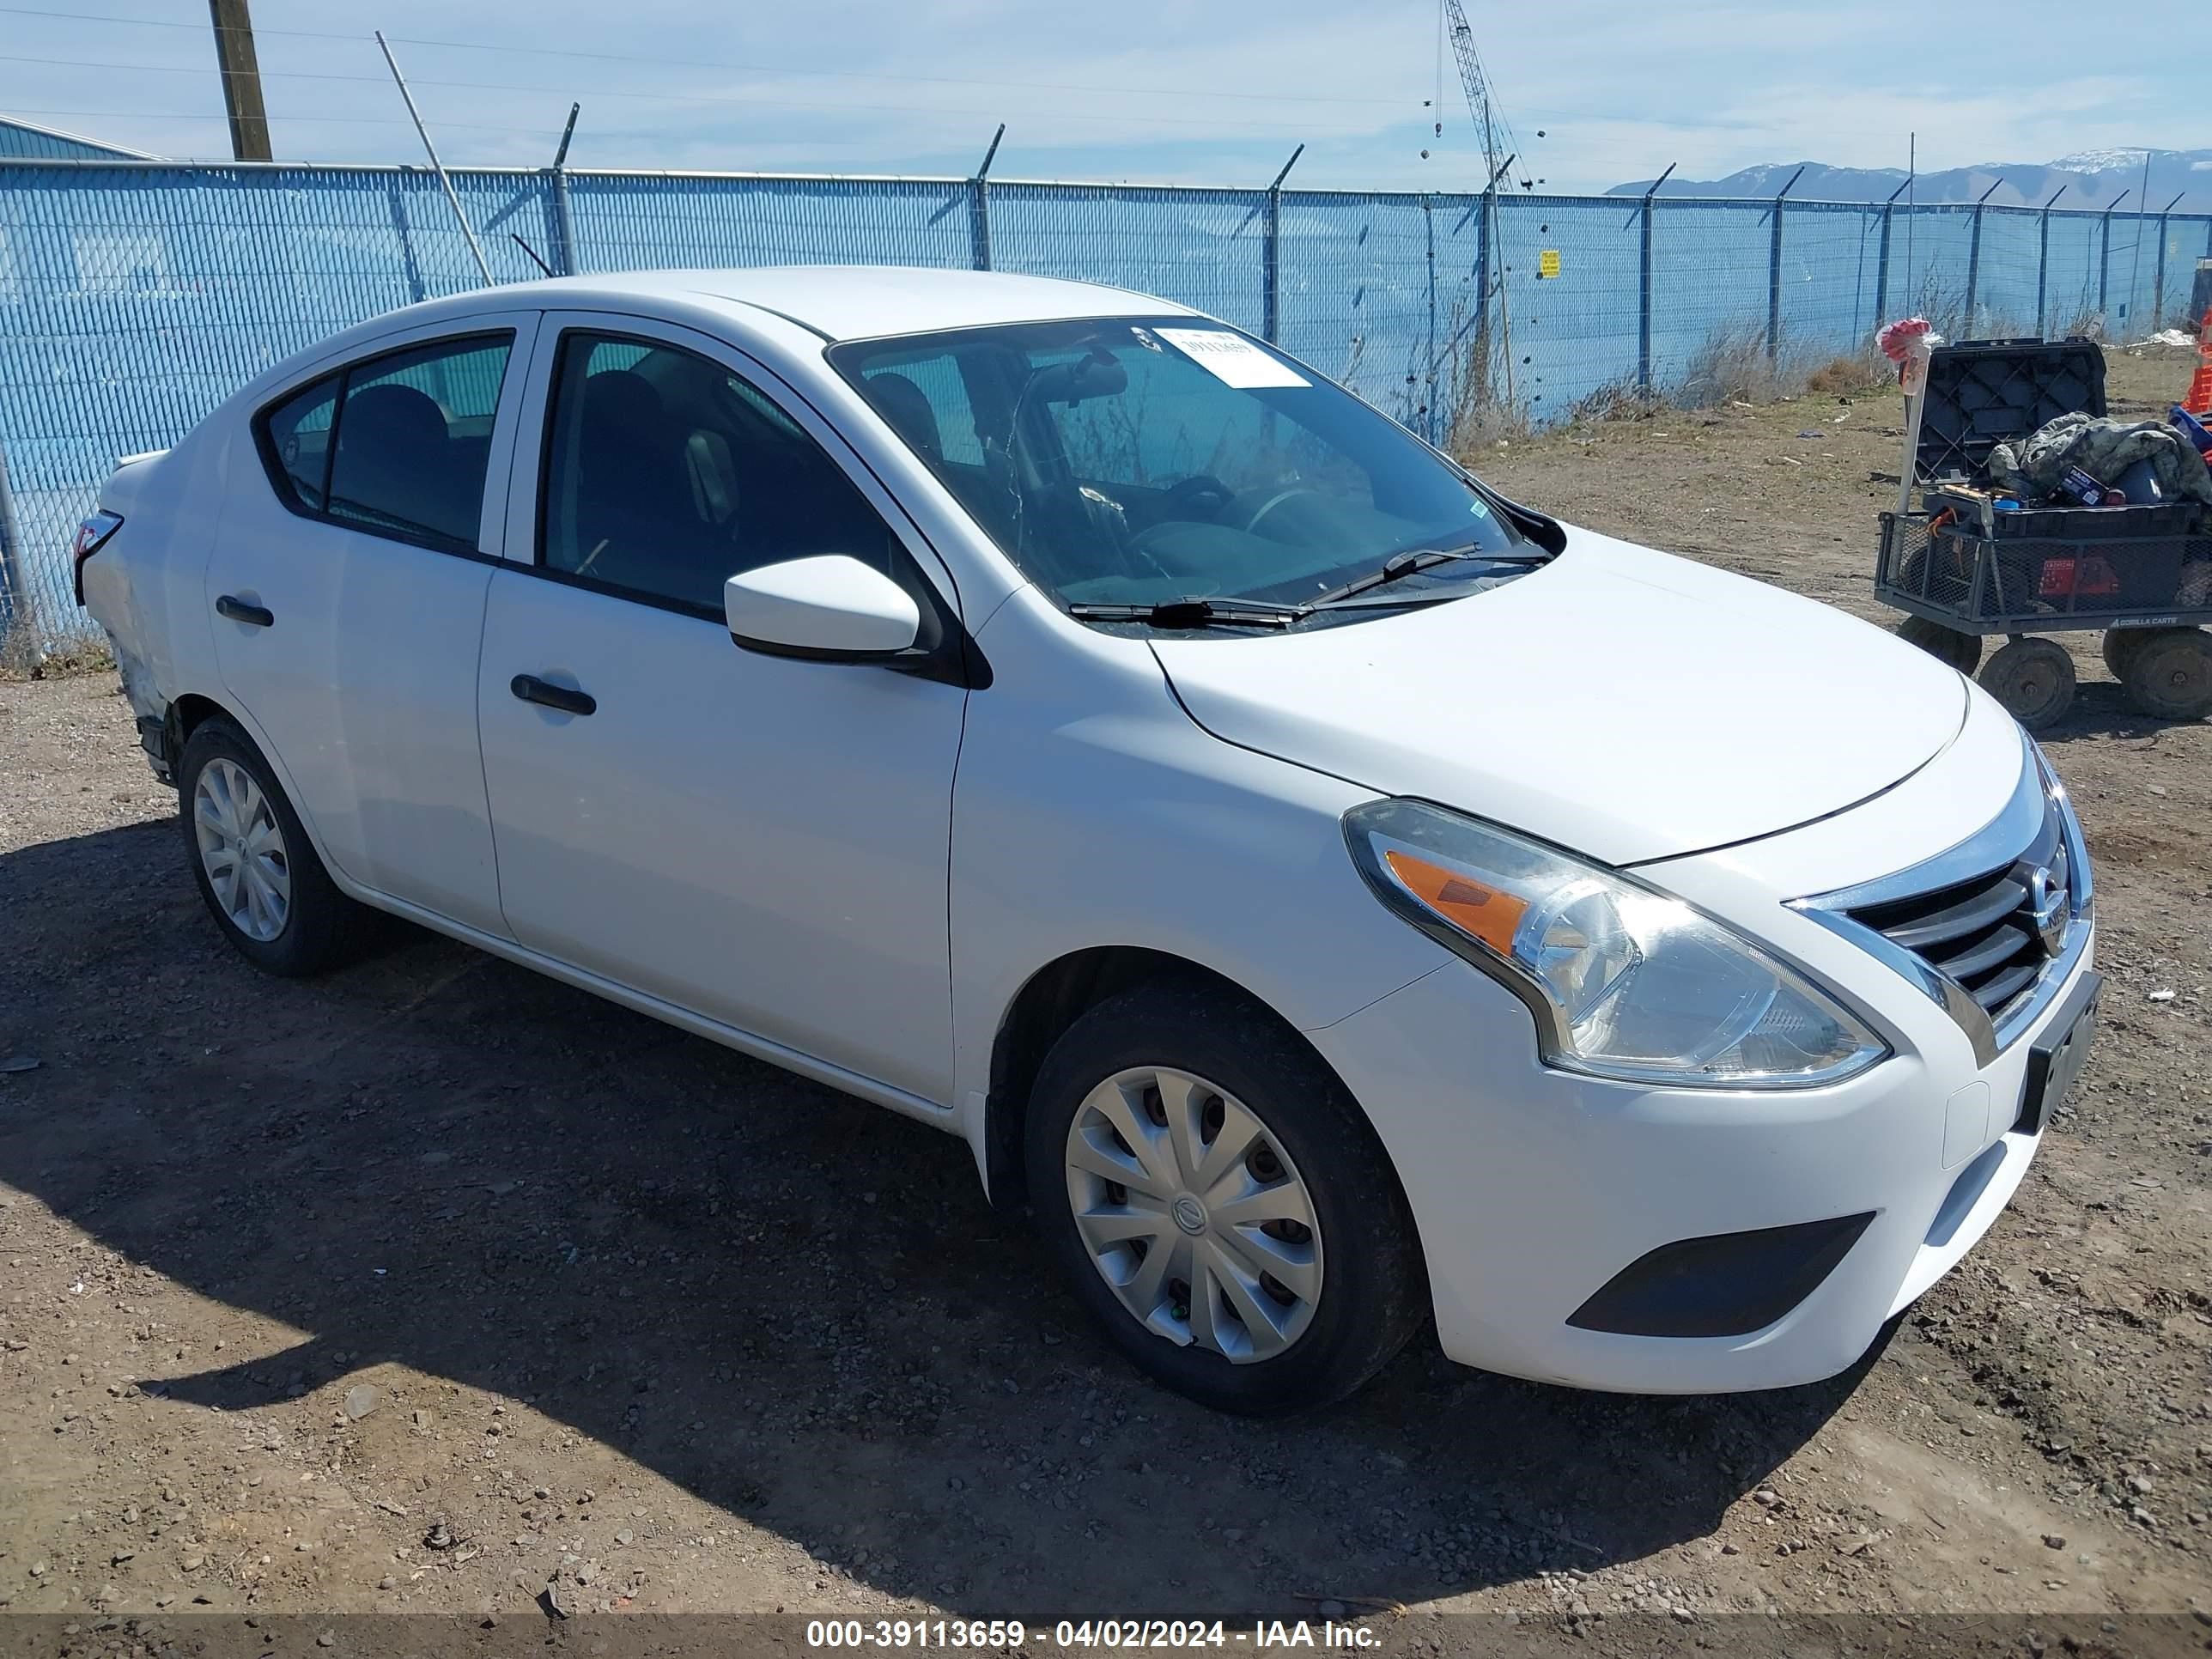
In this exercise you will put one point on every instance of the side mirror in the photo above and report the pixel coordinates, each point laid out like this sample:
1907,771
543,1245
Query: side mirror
830,608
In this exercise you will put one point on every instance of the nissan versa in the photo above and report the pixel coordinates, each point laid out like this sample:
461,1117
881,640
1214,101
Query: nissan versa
1332,895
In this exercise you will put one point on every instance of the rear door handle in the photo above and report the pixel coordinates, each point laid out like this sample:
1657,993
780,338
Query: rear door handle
567,699
255,615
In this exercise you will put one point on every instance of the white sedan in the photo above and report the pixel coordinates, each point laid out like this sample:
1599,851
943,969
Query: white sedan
1332,897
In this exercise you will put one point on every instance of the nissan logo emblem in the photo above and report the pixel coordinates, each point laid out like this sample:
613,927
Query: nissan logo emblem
2047,908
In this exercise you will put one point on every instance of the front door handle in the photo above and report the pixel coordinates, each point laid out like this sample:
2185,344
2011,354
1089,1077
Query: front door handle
254,616
567,699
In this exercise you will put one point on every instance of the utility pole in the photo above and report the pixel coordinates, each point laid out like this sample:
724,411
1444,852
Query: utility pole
241,80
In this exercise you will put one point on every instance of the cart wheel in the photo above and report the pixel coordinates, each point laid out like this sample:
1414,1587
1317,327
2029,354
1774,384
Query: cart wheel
2169,675
1946,644
2033,679
2121,645
1944,584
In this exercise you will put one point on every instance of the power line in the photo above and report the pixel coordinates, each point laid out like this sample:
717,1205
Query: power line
742,99
167,23
196,69
907,109
737,98
311,120
1208,93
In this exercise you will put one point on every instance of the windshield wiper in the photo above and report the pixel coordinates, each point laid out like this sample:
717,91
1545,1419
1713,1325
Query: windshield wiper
1195,612
1413,561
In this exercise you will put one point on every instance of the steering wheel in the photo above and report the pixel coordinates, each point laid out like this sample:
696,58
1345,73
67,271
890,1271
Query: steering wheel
1252,525
1201,490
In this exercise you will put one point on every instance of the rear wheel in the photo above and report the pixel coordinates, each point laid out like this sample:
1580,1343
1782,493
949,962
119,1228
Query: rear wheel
1218,1204
2033,679
2169,674
2120,646
1946,644
253,861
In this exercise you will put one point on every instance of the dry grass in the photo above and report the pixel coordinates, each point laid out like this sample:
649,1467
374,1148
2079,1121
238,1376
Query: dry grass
1617,400
1731,366
1845,376
23,657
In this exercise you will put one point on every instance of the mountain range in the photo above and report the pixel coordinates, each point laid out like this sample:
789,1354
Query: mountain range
2091,180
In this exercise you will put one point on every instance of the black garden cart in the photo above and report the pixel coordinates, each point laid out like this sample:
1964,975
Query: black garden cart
1963,568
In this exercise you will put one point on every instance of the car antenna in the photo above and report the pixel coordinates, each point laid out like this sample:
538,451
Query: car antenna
532,252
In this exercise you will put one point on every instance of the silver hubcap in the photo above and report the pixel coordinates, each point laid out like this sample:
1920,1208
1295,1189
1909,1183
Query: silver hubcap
1194,1214
242,850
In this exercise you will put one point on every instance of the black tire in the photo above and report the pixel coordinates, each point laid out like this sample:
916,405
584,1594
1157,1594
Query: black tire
1943,584
1946,644
1373,1289
2169,674
2120,646
322,927
2034,681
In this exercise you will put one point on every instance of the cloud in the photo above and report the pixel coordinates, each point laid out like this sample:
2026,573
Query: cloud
1144,90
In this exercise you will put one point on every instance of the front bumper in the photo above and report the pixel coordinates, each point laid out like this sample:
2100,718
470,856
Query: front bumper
1533,1188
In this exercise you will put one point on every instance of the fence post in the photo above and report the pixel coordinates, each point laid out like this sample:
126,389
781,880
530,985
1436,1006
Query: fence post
2105,256
2158,291
2042,260
1486,343
1271,256
1974,257
564,226
1429,389
18,606
564,222
1774,273
1643,286
979,206
1882,264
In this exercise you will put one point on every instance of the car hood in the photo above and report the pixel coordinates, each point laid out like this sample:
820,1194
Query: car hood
1621,702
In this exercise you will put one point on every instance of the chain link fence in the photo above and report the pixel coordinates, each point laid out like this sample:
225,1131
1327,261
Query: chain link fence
135,297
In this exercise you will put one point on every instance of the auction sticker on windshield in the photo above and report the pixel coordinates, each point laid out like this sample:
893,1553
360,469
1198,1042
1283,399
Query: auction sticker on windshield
1230,358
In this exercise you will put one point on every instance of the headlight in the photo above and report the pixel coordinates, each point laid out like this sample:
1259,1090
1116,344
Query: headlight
1625,981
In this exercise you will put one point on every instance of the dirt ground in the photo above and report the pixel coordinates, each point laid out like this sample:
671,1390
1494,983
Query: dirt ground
427,1285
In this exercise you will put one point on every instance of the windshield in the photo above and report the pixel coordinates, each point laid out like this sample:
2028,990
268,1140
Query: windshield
1136,462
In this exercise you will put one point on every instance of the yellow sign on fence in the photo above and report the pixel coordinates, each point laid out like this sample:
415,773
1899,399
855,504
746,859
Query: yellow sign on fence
1547,263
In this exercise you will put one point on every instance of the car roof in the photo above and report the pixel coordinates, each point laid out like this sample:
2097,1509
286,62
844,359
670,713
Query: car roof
851,302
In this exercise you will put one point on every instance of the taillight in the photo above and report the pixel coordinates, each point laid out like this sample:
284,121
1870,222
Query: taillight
2089,578
91,536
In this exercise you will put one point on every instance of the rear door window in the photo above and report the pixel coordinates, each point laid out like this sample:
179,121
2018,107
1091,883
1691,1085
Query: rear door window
414,441
398,445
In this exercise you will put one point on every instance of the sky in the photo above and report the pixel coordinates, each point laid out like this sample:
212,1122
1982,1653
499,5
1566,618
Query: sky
1596,93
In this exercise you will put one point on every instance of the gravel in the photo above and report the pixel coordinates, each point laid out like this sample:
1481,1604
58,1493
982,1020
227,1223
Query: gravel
595,1233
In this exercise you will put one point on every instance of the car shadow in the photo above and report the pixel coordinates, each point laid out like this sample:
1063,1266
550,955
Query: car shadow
795,1306
2101,709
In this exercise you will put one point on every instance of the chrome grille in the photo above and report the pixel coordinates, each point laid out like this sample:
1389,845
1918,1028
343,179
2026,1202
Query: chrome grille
1987,935
1990,929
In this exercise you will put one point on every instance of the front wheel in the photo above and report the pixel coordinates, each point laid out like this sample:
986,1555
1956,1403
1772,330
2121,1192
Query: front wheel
253,861
1219,1203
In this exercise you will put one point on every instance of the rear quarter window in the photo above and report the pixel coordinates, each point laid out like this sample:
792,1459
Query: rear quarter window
295,444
